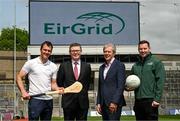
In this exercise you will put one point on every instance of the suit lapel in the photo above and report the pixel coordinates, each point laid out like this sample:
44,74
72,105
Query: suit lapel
110,69
82,70
71,72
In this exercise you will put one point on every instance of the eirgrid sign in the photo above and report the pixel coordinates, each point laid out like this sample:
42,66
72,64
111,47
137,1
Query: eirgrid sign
88,23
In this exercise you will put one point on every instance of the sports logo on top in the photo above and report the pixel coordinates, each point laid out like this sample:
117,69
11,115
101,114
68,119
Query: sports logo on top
99,23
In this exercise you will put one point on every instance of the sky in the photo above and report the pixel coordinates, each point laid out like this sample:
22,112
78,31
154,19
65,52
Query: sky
159,21
8,12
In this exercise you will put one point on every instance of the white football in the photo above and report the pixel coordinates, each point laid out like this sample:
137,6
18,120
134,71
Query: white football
132,82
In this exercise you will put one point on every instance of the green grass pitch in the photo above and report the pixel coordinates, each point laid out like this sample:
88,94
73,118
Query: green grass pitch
129,118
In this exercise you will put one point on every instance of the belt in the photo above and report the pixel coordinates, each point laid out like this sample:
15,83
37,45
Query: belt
144,99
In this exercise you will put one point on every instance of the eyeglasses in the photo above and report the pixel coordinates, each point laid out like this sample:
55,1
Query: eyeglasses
73,51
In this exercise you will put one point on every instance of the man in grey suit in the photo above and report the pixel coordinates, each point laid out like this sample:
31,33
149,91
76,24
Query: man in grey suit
111,85
75,106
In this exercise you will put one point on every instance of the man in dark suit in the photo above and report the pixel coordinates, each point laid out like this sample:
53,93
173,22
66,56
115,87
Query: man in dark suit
75,106
110,97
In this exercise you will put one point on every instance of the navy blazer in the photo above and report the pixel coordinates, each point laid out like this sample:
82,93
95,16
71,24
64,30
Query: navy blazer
111,88
65,77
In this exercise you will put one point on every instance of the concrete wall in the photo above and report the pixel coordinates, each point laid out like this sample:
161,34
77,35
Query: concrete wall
7,63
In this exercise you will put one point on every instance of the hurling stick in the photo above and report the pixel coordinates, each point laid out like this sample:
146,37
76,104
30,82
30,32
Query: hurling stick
47,93
74,88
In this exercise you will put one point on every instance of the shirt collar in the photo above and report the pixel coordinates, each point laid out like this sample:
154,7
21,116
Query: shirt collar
109,64
78,62
39,61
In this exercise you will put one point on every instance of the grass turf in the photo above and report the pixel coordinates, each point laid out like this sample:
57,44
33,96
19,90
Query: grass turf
129,118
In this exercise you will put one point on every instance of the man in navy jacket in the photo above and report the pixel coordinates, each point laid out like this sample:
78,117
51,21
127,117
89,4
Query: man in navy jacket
112,76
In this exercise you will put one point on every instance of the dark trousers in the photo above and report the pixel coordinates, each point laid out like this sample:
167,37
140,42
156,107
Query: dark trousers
70,114
40,109
144,111
107,115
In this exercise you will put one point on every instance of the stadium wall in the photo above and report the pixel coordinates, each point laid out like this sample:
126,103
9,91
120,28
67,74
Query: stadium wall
170,100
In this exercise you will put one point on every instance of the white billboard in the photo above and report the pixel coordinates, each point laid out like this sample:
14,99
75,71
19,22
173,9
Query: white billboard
85,22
